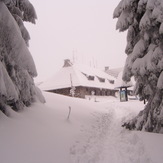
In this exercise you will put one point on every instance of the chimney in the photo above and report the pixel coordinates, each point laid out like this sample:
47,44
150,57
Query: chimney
106,68
67,63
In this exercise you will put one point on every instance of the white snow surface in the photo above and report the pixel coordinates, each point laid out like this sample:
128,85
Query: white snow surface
92,134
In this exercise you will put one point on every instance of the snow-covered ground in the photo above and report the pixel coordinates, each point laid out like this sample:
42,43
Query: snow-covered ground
92,134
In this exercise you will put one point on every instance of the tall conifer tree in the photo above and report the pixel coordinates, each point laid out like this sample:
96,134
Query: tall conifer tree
144,21
17,68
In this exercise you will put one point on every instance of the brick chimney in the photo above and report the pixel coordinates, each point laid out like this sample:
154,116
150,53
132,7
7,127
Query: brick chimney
67,63
106,68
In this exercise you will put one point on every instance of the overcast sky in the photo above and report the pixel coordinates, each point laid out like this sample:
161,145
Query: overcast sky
83,30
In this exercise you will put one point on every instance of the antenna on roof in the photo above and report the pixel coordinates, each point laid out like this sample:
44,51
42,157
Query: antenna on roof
73,56
94,64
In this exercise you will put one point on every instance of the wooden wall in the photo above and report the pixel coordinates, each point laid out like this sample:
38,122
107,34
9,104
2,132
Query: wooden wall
82,91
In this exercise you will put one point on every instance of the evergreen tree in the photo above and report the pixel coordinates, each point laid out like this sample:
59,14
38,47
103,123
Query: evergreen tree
17,68
144,21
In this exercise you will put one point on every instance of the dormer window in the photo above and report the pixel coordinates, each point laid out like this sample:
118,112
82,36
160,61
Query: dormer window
111,81
102,80
89,77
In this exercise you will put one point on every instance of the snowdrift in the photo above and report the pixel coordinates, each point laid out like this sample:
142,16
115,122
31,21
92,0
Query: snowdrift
92,134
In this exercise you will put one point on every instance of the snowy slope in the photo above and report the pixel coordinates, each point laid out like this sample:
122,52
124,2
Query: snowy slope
93,133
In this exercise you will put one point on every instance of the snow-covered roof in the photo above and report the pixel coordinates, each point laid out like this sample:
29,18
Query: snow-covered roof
120,83
80,75
117,73
114,72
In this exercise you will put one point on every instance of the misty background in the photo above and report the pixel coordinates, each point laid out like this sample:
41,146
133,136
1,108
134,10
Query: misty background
83,31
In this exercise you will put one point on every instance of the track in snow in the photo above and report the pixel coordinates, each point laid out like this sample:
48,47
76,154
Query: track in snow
105,141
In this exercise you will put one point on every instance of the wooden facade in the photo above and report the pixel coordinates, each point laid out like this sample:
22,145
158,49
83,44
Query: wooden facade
86,81
81,91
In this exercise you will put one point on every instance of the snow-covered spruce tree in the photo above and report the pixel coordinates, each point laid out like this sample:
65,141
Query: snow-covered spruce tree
144,21
17,68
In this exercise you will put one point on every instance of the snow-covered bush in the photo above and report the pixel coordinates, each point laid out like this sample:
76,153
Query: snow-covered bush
17,68
144,21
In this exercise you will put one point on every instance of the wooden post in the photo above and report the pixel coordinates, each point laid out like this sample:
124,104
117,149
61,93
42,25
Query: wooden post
72,90
126,93
69,113
120,93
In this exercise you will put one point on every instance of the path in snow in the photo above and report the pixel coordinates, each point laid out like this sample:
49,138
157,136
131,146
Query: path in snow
107,142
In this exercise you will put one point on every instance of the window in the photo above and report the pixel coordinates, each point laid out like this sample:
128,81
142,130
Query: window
102,80
89,77
111,81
